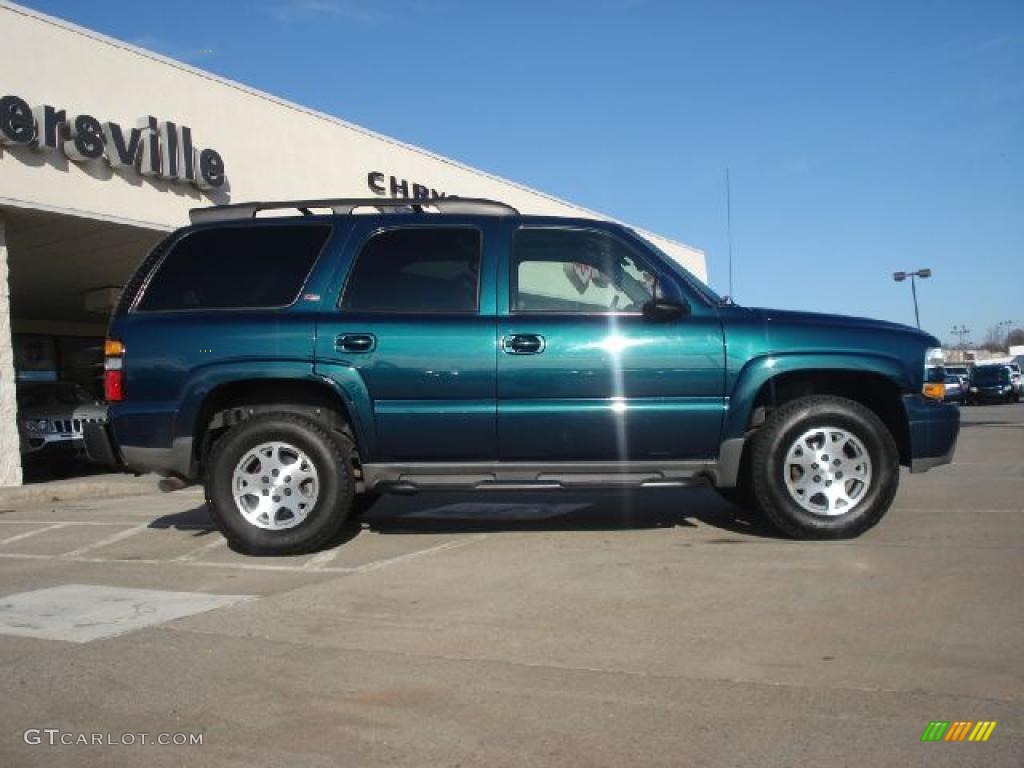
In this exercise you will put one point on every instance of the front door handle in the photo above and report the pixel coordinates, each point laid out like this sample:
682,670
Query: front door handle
522,344
355,342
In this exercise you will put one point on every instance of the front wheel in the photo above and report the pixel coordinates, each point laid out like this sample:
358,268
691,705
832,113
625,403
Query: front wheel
280,484
824,467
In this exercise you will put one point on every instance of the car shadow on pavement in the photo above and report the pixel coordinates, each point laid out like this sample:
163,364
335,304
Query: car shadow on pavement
561,511
195,520
441,513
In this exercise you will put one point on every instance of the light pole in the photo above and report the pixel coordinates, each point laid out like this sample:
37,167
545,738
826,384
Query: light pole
1005,335
963,332
899,277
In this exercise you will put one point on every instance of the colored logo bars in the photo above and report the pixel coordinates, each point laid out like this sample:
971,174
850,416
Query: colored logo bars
958,730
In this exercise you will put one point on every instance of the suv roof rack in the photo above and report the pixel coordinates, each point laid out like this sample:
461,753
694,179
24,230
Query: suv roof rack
341,206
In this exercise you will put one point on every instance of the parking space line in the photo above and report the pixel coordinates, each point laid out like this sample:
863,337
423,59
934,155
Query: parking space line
320,560
256,566
119,536
27,534
198,552
118,523
373,566
244,566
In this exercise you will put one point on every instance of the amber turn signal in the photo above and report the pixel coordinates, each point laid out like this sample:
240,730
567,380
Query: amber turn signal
935,391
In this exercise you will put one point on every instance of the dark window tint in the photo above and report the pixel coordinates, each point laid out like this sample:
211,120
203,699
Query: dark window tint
991,375
236,267
416,270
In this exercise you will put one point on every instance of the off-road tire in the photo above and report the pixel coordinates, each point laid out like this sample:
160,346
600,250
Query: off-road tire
782,429
330,451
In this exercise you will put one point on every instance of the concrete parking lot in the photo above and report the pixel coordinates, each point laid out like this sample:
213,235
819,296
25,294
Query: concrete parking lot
663,628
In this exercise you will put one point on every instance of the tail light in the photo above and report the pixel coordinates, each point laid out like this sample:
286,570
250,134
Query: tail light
113,370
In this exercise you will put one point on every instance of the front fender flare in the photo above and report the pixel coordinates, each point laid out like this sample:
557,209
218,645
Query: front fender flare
759,370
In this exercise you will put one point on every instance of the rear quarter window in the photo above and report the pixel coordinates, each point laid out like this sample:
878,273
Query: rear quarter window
235,268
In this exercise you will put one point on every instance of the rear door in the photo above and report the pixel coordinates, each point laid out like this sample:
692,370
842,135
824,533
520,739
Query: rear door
410,327
582,375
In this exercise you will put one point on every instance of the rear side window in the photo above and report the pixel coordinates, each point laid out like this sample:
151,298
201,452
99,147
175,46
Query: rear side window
236,268
416,270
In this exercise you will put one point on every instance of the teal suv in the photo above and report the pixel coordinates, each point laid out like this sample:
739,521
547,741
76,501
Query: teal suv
301,363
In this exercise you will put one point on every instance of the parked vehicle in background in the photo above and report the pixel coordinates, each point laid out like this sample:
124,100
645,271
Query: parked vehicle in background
459,345
1015,379
955,392
962,371
51,419
992,384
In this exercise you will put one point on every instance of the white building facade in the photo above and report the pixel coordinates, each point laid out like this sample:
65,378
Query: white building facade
104,147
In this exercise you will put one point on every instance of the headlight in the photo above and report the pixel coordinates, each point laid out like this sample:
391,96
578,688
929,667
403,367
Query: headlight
974,389
37,425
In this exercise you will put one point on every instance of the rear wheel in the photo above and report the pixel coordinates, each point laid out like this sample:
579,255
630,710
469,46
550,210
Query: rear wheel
280,484
824,467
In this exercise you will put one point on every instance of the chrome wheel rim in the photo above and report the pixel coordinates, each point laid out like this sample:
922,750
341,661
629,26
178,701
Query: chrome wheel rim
275,486
827,471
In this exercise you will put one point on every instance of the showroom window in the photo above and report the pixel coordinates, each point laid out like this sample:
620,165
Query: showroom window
236,268
576,271
414,270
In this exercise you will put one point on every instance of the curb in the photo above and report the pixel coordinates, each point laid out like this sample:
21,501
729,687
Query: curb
98,487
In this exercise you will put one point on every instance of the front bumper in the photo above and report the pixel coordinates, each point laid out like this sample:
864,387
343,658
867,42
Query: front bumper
39,447
991,396
933,428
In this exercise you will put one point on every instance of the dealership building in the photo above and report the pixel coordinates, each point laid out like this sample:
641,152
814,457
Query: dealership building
104,147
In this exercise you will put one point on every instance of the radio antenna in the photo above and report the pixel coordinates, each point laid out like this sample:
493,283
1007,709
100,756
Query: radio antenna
728,226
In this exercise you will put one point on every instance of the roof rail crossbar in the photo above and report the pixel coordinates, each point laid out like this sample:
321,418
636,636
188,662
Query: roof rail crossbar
342,206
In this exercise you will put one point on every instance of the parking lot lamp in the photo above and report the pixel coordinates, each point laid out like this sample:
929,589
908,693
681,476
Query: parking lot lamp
899,277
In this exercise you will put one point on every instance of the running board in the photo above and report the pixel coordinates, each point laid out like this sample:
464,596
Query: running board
514,476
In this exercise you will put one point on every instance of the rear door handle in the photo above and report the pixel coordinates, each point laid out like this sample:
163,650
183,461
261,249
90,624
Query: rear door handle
355,342
522,344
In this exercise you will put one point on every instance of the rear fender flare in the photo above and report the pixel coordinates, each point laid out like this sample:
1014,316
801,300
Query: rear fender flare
205,380
348,384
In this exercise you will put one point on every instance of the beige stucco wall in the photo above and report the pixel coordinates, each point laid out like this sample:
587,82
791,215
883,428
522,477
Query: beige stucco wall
10,456
83,72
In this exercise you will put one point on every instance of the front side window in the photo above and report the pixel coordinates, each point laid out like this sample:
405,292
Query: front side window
576,271
414,270
236,268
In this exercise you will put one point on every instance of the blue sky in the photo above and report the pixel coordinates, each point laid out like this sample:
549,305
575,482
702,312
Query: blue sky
863,137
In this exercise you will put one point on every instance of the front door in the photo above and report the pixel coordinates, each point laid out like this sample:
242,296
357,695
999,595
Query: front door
582,375
411,329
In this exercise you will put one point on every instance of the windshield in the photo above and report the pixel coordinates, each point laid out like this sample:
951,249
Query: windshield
52,393
991,375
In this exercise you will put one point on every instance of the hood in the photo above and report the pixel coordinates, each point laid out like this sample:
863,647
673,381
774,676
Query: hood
894,350
824,320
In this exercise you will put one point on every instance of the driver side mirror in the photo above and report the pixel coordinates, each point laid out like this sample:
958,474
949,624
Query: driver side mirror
664,310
